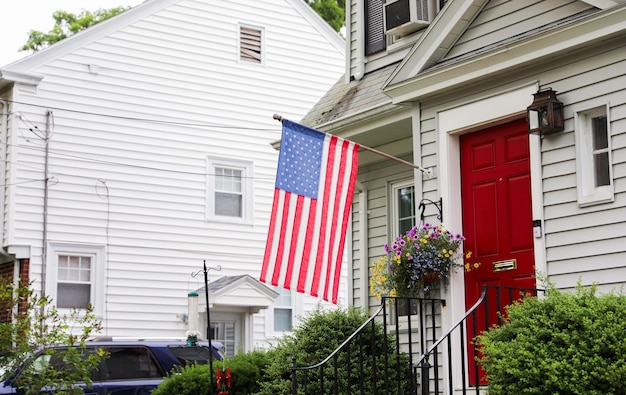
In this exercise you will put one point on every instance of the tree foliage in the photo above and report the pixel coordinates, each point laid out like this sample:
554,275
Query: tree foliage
30,323
67,24
332,11
567,343
247,372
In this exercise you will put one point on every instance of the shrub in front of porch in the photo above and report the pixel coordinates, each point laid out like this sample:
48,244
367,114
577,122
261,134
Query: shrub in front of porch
567,343
364,367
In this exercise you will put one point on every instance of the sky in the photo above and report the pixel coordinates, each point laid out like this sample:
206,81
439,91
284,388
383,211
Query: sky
18,17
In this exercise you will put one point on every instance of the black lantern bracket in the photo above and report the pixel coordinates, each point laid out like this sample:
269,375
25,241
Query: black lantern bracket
438,204
545,114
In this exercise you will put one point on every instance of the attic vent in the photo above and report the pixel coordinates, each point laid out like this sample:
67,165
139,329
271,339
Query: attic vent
250,44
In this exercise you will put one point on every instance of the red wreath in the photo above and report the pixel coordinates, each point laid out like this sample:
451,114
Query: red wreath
223,380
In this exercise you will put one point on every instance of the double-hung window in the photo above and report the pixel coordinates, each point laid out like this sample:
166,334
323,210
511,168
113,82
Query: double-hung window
74,281
283,311
75,276
229,190
402,207
593,159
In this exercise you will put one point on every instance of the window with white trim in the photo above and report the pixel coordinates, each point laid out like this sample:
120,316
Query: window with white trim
376,39
593,159
74,279
229,190
283,311
402,207
250,44
75,276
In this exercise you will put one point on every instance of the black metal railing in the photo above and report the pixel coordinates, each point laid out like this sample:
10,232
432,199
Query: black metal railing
363,364
458,349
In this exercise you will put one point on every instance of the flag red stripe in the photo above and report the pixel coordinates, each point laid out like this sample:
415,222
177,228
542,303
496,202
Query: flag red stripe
294,240
346,218
281,240
308,241
270,237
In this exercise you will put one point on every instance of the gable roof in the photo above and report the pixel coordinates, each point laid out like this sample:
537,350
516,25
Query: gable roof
137,13
232,292
422,72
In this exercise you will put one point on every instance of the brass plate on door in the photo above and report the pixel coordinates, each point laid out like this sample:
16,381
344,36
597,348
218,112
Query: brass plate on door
501,266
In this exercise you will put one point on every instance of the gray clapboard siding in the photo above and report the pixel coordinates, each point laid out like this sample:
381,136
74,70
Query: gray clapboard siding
501,21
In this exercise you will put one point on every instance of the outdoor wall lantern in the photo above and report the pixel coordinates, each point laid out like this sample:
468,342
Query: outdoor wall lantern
545,114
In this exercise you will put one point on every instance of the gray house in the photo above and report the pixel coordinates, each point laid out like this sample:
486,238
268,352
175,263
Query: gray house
447,85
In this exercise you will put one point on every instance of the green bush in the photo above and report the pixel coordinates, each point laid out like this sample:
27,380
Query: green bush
566,343
321,333
246,371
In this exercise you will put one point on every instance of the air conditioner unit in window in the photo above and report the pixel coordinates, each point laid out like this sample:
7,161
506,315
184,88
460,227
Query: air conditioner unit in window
403,17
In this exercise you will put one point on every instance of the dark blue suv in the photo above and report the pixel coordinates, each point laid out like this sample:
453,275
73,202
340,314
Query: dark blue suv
132,367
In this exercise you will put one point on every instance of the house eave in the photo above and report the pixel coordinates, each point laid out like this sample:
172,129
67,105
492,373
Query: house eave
599,27
8,77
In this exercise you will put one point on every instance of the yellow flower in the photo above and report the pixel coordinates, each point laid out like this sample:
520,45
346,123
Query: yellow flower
468,255
476,265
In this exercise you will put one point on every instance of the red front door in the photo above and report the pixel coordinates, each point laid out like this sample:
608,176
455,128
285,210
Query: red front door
497,215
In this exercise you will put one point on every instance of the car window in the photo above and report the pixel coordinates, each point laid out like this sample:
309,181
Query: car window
190,355
126,363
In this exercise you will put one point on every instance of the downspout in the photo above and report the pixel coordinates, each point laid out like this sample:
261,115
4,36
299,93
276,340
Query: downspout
4,130
359,65
363,247
44,241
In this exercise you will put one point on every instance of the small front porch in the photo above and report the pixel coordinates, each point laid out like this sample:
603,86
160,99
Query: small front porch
419,357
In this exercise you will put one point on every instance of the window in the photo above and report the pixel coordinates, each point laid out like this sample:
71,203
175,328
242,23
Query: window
250,44
593,160
229,194
125,363
224,332
403,207
74,281
76,276
283,311
375,37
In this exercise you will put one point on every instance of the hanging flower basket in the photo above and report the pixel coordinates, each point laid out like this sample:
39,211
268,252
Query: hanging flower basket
418,261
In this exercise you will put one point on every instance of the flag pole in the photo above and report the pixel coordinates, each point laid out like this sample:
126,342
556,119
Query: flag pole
428,172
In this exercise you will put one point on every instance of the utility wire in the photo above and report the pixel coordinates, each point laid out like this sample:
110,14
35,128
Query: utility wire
203,125
92,160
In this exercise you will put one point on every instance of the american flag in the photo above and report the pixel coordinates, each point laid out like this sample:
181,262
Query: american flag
312,203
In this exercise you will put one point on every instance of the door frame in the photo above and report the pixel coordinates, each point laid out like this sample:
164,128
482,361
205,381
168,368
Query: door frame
489,110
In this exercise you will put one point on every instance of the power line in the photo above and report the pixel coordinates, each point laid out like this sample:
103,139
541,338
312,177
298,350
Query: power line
39,149
176,123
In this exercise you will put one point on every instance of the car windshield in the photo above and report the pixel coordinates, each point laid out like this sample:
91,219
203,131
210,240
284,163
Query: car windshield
190,355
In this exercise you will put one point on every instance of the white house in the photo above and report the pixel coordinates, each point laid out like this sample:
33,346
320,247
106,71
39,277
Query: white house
138,150
446,85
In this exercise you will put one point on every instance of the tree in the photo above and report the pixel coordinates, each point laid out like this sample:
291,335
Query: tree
67,24
30,323
332,11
